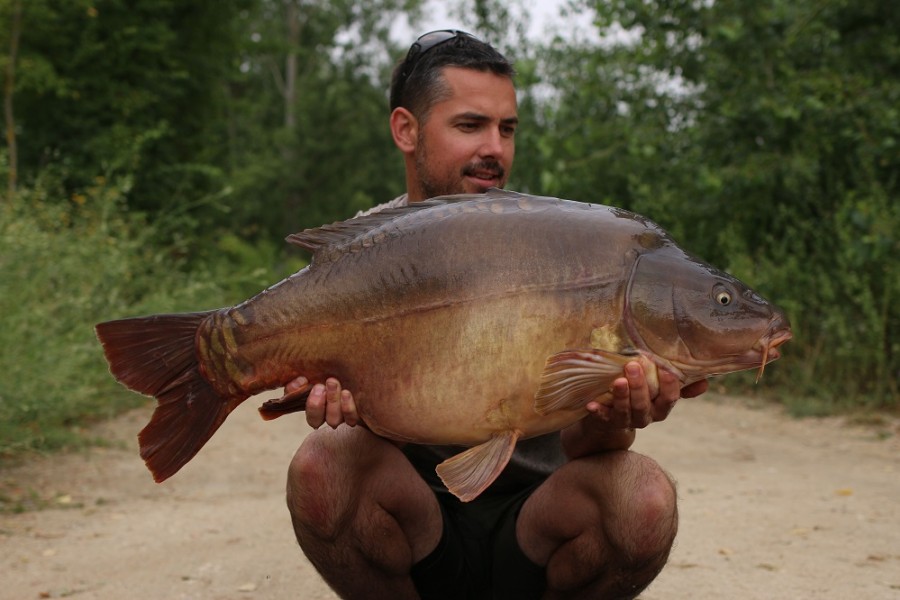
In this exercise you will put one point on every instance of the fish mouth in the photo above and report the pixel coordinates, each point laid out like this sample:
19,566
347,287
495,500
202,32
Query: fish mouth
764,351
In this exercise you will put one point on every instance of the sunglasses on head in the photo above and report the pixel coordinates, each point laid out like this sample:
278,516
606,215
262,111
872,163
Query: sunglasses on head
429,40
422,45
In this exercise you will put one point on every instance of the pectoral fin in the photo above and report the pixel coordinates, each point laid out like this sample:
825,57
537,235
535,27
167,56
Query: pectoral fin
571,379
469,473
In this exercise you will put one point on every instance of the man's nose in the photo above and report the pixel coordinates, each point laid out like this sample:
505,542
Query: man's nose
492,144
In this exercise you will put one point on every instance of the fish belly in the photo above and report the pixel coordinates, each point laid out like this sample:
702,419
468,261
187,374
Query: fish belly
460,374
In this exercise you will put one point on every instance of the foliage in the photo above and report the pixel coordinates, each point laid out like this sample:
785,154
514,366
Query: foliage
126,87
763,135
67,266
188,99
307,113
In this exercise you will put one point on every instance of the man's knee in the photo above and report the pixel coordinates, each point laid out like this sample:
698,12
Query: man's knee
649,510
628,545
354,496
348,475
314,498
644,535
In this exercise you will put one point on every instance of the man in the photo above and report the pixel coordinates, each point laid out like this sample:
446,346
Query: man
574,514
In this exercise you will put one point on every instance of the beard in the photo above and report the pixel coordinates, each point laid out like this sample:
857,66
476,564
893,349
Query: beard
444,184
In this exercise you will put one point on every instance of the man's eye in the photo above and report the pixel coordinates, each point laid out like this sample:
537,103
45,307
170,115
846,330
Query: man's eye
468,126
508,131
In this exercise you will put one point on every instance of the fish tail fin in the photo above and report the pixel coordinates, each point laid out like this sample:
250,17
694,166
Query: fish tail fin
157,356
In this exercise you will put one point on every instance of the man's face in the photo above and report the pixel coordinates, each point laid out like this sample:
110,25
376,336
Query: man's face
467,143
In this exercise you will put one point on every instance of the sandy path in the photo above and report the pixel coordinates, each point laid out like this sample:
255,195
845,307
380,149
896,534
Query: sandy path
771,508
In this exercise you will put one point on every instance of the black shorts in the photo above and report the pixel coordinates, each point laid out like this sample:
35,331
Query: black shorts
478,557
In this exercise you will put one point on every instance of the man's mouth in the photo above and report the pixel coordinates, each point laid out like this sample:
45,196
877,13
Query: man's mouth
487,176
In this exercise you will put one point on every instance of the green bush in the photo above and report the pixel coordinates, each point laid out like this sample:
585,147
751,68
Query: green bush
67,265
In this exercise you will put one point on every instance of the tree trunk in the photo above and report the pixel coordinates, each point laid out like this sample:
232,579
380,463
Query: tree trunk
8,90
292,201
290,66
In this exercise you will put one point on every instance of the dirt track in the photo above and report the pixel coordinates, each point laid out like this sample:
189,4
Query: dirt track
771,508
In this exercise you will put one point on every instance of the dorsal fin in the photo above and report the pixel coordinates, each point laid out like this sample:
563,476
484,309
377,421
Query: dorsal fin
343,233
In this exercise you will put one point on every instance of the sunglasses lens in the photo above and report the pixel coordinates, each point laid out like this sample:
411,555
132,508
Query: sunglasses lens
430,40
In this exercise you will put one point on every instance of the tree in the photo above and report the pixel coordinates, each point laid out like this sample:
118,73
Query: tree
110,86
308,111
764,136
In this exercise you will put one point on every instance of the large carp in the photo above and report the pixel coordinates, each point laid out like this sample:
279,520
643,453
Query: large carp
475,320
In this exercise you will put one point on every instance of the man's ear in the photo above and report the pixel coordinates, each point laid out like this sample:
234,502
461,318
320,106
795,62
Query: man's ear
405,129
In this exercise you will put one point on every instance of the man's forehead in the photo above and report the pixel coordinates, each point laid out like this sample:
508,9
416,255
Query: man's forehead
479,93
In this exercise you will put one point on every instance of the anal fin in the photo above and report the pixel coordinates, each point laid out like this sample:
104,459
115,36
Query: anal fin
289,403
469,473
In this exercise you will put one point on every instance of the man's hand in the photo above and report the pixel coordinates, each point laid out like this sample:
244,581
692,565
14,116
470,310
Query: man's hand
634,408
326,403
612,427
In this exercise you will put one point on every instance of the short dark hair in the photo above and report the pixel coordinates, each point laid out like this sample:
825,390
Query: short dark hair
417,82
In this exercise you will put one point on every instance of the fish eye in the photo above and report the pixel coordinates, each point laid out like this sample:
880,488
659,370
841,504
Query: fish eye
723,298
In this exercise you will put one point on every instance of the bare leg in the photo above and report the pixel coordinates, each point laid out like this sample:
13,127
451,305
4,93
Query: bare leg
362,514
603,526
